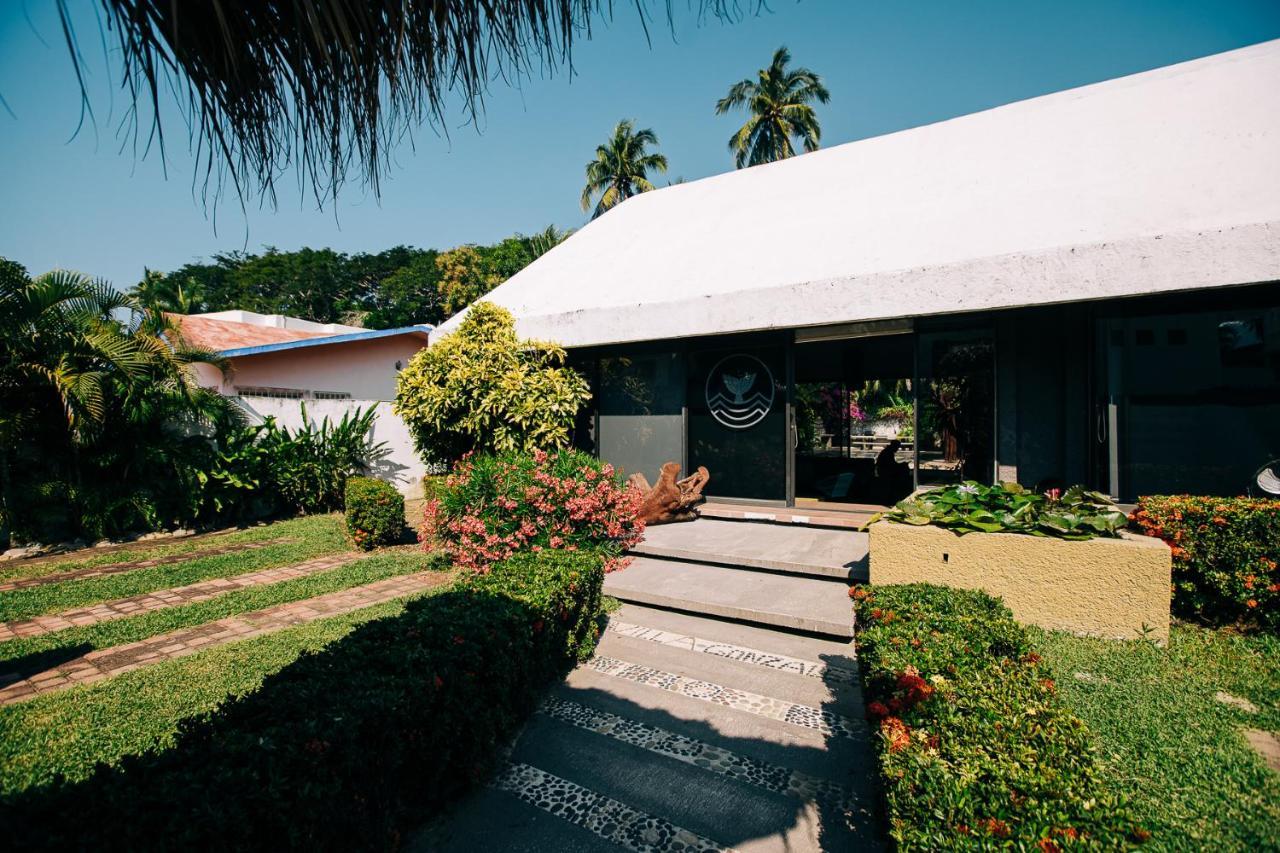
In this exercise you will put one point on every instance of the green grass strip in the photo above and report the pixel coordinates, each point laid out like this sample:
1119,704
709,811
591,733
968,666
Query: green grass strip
1171,748
35,654
299,527
322,535
71,731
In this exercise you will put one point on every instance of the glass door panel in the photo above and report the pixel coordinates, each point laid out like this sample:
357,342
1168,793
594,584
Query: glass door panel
737,400
854,415
957,407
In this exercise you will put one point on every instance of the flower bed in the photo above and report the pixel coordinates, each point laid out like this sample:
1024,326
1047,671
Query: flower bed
494,506
348,747
1226,555
976,749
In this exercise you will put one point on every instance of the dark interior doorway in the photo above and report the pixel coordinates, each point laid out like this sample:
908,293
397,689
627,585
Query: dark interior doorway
854,415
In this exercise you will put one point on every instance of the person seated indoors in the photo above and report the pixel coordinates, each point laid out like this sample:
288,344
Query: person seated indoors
893,478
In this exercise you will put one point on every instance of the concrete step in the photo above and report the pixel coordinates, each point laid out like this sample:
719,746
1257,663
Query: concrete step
815,552
785,601
851,519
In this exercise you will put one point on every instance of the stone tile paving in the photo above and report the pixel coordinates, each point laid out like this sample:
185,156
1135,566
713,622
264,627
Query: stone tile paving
762,774
173,597
783,663
804,716
608,818
117,568
104,663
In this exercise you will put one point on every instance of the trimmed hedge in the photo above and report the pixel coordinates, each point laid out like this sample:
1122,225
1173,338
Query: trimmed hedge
375,513
976,749
1226,556
348,747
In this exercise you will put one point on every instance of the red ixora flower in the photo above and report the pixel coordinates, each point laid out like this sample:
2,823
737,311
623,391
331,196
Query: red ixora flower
896,732
877,711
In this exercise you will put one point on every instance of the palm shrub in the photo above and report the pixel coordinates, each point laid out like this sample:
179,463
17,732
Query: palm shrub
483,389
95,410
375,512
311,464
494,506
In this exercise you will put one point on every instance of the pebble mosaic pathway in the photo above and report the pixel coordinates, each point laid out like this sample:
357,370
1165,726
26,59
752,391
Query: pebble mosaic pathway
104,663
804,716
762,774
796,666
117,568
176,596
609,819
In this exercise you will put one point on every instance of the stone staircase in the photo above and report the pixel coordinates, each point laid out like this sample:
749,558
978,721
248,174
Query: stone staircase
722,711
790,576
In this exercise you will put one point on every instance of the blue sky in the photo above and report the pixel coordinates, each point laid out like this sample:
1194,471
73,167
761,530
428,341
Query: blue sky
82,203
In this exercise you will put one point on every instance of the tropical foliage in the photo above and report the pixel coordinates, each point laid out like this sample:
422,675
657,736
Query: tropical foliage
621,168
1226,556
971,507
494,506
976,749
94,409
481,388
103,430
780,103
400,286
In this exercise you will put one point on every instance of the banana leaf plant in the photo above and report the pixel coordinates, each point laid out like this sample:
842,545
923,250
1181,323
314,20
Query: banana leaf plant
971,507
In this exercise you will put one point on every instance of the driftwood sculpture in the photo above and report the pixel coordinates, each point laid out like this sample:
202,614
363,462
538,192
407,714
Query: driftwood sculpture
671,499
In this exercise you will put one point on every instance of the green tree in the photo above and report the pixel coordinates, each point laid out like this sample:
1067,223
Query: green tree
780,103
175,294
407,296
481,388
621,167
85,399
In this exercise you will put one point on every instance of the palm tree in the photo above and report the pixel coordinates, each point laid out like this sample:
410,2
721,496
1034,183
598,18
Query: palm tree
621,168
780,104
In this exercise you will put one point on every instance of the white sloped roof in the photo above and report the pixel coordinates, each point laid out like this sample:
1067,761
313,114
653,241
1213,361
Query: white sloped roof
1160,181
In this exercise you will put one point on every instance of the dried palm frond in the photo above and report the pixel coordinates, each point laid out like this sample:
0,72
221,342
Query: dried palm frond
329,86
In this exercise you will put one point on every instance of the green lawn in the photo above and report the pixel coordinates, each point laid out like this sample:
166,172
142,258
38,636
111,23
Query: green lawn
1171,747
69,731
312,536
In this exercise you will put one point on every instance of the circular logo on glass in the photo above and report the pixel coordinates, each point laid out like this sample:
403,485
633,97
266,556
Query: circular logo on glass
739,391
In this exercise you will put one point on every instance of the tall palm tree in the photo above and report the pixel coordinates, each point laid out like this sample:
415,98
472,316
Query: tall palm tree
621,167
780,102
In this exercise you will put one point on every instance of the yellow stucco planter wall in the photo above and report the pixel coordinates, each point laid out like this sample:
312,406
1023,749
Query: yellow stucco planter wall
1099,587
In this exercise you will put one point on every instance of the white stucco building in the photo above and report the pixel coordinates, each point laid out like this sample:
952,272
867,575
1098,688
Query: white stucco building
1079,287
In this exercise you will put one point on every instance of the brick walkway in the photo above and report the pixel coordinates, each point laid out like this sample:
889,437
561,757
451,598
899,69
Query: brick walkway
105,663
117,568
162,598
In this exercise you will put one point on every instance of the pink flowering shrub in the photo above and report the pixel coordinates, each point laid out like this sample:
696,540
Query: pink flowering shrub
493,506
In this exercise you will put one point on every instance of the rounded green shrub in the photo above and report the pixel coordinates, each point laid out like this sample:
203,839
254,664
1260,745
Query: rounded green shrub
1226,556
375,512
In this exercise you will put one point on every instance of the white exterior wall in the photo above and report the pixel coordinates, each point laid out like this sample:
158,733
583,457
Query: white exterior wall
401,468
364,369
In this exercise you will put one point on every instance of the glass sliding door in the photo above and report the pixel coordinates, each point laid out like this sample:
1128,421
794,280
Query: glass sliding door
1191,399
956,420
737,427
854,412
